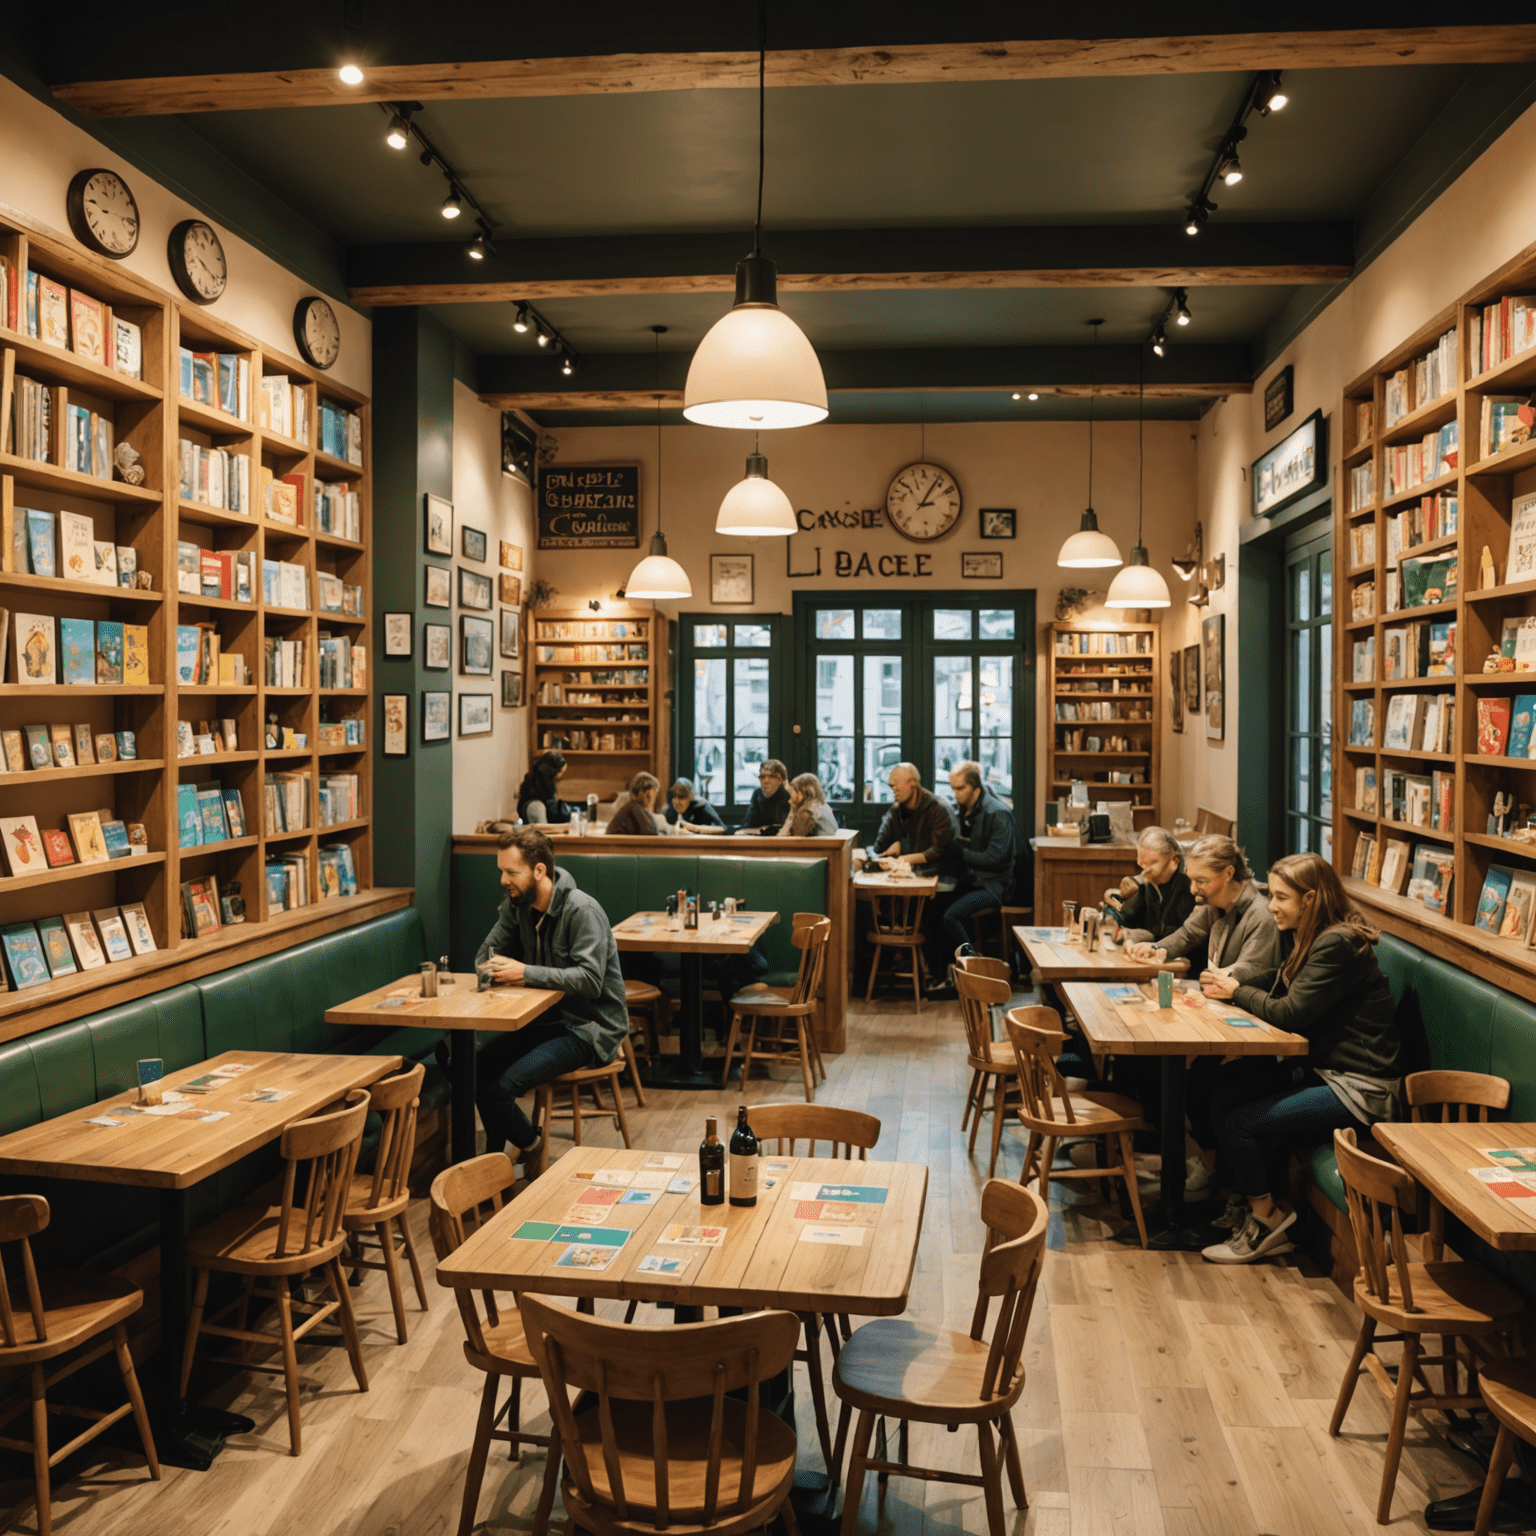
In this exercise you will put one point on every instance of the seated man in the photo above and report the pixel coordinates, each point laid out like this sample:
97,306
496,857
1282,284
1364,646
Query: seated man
1161,899
981,857
916,831
551,935
770,800
688,813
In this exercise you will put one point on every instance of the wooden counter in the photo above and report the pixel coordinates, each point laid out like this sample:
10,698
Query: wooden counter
1080,872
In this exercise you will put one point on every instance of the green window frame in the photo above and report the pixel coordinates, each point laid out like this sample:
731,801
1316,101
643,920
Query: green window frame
1309,684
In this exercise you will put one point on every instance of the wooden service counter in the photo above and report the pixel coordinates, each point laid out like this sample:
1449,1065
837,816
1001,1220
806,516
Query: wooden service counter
837,851
1080,872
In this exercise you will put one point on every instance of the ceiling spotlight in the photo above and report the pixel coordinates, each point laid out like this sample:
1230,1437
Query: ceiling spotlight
543,337
1231,168
398,135
520,320
1017,395
453,204
568,365
350,74
1033,396
1160,342
1191,223
1271,97
480,249
1183,316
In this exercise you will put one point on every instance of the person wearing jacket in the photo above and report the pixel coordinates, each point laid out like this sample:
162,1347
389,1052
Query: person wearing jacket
809,813
981,857
1160,900
687,812
634,817
918,827
769,804
1330,989
547,934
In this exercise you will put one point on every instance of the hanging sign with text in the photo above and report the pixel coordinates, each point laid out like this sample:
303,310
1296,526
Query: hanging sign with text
589,506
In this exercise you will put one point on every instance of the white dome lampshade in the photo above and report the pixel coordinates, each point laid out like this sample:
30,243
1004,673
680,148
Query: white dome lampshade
658,576
1137,584
755,507
1088,548
755,368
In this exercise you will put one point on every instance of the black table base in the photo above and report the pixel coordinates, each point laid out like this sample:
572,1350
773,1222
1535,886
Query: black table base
686,1070
461,1079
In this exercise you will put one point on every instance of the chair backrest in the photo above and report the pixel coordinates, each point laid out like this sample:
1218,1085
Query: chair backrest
699,1360
978,995
809,935
984,965
1452,1094
1207,820
397,1099
22,1217
851,1129
326,1148
463,1198
1016,1220
896,916
1037,1038
1378,1194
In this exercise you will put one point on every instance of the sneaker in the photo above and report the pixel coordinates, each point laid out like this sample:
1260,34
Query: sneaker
1235,1214
528,1155
1197,1177
1253,1240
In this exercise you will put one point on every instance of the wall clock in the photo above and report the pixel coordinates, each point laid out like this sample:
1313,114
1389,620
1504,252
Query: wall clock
923,502
317,332
197,261
103,213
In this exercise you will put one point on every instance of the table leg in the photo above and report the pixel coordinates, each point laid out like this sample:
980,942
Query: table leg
461,1069
689,1071
1167,1222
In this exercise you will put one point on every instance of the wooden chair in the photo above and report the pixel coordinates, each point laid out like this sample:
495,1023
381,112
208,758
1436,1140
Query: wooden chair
40,1326
1209,821
790,1011
650,1456
591,1080
1509,1390
461,1198
378,1200
1458,1301
284,1243
1452,1094
650,1013
1050,1114
917,1372
897,924
991,1062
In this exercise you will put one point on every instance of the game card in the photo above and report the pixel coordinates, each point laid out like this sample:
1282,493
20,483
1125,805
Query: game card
845,1237
682,1186
583,1256
639,1197
659,1264
654,1180
587,1215
618,1178
598,1196
825,1210
265,1096
664,1160
695,1237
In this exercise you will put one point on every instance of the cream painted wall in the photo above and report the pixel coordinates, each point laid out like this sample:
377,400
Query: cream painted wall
41,151
1040,469
486,769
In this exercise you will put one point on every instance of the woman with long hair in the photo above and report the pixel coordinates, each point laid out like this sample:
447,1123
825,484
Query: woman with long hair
1330,989
538,796
809,813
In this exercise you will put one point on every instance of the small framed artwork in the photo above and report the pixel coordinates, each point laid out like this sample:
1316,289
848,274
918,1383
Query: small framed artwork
1192,679
511,633
1213,639
511,556
511,690
397,725
730,578
476,636
472,543
511,589
475,717
437,645
474,590
439,525
998,522
436,716
1293,467
981,567
398,629
439,587
1176,689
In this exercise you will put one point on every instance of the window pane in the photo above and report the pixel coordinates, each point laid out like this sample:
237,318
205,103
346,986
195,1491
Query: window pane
882,695
996,759
834,767
947,751
951,623
1325,842
1325,582
996,623
751,695
952,712
996,696
1301,590
709,768
1324,722
1302,674
754,635
706,636
882,623
880,756
834,623
1301,773
709,697
746,753
834,695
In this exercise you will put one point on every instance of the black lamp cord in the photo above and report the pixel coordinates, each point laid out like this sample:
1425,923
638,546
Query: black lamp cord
1092,390
762,98
1141,432
658,431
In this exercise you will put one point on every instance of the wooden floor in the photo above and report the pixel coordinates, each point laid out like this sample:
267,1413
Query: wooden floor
1164,1394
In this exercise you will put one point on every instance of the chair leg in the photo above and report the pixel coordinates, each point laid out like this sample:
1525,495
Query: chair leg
290,1367
1363,1341
857,1463
731,1040
194,1327
618,1104
818,1386
576,1114
136,1397
1047,1159
515,1417
970,1100
874,967
40,1453
474,1473
349,1325
992,1484
1498,1465
980,1104
809,1024
1405,1373
547,1492
805,1061
999,1110
917,982
392,1275
543,1119
835,1469
1031,1152
748,1046
1009,1436
1128,1177
410,1258
634,1072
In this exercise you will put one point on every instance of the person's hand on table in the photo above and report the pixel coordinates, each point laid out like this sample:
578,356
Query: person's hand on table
1220,984
1128,887
911,860
505,971
1146,953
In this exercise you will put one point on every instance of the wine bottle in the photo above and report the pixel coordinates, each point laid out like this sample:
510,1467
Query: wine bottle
743,1161
711,1166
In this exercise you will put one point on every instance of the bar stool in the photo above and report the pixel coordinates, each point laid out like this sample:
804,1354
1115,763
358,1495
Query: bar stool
590,1079
651,1008
898,927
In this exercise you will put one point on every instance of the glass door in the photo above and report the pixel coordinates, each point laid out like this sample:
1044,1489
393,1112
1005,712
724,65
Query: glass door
726,707
970,691
1309,697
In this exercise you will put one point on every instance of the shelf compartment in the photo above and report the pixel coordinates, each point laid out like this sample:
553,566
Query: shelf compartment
71,482
1425,488
80,872
1421,421
42,776
60,584
190,511
76,690
69,368
206,419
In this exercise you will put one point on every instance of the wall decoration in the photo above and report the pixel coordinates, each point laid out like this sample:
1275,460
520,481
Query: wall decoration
923,502
317,331
398,629
475,716
998,522
589,506
397,725
197,261
1213,635
436,716
439,592
1294,466
437,646
474,591
511,633
476,638
511,556
511,589
511,690
439,525
103,213
730,579
1278,397
1176,689
987,567
474,543
1192,679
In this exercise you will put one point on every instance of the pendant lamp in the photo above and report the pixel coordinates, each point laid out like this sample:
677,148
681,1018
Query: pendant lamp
1088,549
658,576
755,368
1137,584
755,507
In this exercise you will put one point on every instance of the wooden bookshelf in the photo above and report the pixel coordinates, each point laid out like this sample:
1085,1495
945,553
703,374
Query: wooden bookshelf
1115,671
153,416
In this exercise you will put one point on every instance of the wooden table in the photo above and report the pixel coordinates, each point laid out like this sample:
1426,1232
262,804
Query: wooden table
870,884
1438,1156
1055,960
1069,870
172,1155
1113,1029
647,933
459,1010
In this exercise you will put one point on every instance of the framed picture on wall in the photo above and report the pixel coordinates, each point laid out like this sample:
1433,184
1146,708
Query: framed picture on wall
436,716
511,556
1192,679
1213,637
981,567
476,636
730,578
511,633
998,522
1176,689
437,647
439,587
474,590
511,589
398,630
473,543
397,725
1295,465
511,690
475,717
439,525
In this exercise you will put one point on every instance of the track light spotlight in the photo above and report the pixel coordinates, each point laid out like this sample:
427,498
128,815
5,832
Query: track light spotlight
398,135
520,320
1159,342
1231,168
1191,223
1183,316
1017,395
479,248
1033,395
453,204
1271,97
543,337
568,365
350,74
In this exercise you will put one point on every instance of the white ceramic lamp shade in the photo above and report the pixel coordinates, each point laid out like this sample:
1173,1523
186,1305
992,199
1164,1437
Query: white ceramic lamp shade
1088,549
1138,585
755,507
658,576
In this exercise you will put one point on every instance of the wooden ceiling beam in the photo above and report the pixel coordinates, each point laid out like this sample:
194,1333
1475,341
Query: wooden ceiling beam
901,64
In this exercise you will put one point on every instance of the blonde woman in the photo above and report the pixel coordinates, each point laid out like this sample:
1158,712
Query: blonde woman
809,813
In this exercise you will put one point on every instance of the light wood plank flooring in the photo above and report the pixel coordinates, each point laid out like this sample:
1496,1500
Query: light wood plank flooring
1165,1395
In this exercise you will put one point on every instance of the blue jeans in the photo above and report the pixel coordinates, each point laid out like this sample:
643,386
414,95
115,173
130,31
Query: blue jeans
512,1064
1255,1105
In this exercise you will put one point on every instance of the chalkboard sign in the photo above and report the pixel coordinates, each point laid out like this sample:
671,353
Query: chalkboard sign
589,506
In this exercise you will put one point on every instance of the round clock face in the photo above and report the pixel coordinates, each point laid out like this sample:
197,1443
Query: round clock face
197,261
103,214
923,502
317,332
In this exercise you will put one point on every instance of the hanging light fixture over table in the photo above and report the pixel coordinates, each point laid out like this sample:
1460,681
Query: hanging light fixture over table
658,576
755,507
1088,549
1137,584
